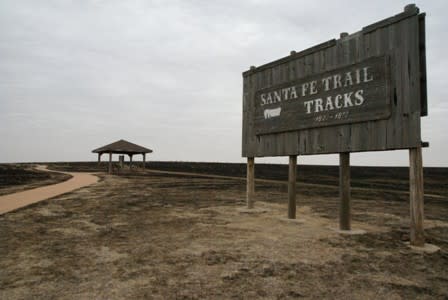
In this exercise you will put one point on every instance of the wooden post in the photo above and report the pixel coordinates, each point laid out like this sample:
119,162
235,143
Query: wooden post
292,177
99,158
121,160
250,182
416,196
130,161
110,162
144,160
344,191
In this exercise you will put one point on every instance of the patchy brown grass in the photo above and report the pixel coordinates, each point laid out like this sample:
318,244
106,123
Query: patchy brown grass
166,237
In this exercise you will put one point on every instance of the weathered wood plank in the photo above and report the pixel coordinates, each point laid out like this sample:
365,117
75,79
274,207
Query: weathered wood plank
343,58
415,101
245,137
297,55
250,192
416,196
394,124
344,191
405,81
381,130
110,163
422,65
292,177
408,12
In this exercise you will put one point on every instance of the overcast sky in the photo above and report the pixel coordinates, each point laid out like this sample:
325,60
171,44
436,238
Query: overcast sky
76,75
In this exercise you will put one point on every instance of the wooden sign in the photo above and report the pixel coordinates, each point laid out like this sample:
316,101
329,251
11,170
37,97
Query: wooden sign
354,93
362,92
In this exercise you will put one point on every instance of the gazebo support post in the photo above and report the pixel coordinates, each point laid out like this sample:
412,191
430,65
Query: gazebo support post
99,158
144,160
110,162
130,161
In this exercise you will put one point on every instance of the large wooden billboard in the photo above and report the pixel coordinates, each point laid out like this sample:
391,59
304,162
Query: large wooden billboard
363,92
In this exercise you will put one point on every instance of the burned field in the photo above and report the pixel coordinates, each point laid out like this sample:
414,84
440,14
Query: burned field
168,236
18,177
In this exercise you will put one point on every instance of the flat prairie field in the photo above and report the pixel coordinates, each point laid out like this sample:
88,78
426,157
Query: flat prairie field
143,234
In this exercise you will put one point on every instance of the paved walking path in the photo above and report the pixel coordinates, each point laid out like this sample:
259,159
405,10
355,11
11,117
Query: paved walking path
14,201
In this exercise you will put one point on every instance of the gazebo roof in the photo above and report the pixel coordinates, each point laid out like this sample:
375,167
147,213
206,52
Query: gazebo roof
124,147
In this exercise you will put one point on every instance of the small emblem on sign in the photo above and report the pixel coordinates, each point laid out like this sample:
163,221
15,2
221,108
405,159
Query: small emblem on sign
272,113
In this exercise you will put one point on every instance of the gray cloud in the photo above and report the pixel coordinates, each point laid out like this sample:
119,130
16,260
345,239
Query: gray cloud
75,75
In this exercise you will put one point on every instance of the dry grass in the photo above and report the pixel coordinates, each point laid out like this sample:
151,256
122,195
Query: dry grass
163,237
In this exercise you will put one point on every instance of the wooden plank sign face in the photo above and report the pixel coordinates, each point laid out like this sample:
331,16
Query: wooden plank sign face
355,93
365,91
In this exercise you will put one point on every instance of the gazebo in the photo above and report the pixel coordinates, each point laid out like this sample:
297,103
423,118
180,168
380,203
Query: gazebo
122,147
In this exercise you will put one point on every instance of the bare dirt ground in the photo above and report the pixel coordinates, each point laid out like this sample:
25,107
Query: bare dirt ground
167,236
